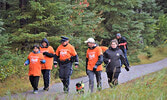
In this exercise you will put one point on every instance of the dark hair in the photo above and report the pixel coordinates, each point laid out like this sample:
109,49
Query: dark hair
114,40
35,46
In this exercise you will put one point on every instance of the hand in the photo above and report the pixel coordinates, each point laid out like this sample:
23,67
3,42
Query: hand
76,66
94,68
24,64
127,68
42,61
109,60
55,66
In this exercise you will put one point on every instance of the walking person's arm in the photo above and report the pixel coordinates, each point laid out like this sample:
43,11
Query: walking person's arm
100,59
49,54
27,62
86,65
105,58
55,60
76,60
123,60
74,56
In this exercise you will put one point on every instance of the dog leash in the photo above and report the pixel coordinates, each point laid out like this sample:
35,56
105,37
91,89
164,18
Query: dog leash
107,65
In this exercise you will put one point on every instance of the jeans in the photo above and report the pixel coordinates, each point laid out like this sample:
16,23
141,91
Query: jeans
125,54
91,79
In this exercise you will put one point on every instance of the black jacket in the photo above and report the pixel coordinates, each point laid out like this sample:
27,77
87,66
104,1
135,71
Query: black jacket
122,40
116,56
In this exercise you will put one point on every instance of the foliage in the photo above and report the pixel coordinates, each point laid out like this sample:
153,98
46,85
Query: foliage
161,34
10,63
142,22
162,4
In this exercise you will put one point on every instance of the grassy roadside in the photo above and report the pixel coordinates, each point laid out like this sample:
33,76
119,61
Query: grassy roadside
16,84
158,53
149,87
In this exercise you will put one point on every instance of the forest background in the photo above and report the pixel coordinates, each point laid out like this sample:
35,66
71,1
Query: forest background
24,23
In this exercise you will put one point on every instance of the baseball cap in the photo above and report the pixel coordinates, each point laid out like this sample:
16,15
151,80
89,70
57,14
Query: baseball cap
90,40
118,34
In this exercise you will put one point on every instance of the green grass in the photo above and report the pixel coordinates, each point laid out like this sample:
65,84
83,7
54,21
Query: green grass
149,87
158,53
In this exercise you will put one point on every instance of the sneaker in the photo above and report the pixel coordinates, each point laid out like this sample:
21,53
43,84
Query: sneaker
99,88
66,90
35,91
46,89
111,85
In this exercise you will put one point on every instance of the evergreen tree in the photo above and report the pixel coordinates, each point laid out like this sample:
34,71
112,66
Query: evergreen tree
162,4
121,17
161,34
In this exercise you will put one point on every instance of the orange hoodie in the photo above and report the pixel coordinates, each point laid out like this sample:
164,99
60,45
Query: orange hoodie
35,64
103,48
49,61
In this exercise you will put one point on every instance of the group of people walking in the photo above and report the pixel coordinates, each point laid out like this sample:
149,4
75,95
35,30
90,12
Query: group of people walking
42,58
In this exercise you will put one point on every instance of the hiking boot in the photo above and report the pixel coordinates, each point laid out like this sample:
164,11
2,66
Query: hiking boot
35,91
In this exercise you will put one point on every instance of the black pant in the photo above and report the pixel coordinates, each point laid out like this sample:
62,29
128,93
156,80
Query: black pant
65,72
113,77
46,78
34,81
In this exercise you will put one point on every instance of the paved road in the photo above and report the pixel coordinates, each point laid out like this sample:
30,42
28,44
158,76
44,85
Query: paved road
56,89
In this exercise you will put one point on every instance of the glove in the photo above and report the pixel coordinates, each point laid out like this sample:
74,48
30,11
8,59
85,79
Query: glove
94,68
42,61
127,68
45,53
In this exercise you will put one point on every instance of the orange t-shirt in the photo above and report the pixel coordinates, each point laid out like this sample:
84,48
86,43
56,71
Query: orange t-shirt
49,61
92,55
103,48
65,52
35,64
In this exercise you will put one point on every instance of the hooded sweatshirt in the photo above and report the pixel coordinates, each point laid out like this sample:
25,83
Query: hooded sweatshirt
48,53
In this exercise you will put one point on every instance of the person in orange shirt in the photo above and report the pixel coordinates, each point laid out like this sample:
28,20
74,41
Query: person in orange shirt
48,53
103,48
65,55
35,61
94,59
